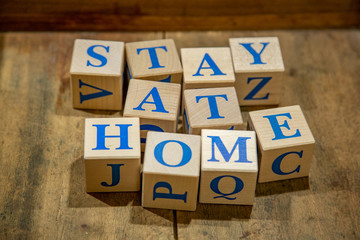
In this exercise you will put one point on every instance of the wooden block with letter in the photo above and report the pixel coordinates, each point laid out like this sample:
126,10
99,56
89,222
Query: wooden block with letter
112,154
228,167
171,171
285,143
97,74
259,70
207,67
211,108
155,103
156,60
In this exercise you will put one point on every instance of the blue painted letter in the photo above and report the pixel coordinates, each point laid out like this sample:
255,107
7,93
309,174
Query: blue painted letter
214,111
258,87
186,155
115,175
124,136
212,66
277,127
97,56
156,101
149,127
153,56
240,143
167,195
256,55
277,162
214,185
102,92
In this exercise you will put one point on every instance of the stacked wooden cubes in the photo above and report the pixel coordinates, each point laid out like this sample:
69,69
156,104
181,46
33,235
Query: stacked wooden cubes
215,160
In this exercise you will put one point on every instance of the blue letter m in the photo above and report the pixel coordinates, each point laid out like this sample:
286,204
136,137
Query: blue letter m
240,143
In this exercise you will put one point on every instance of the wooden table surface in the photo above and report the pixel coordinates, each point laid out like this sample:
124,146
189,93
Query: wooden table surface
42,179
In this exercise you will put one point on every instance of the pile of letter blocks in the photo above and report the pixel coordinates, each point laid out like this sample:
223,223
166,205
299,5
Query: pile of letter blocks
216,160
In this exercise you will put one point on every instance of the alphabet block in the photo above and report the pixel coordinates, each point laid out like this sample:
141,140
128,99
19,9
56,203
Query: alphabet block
112,154
155,103
171,171
156,60
259,70
228,167
97,74
207,67
210,108
285,142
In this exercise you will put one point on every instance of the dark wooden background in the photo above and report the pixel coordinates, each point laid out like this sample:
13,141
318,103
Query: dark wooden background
42,178
42,181
164,15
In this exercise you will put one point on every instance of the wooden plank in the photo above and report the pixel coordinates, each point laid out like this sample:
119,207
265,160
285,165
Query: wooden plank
42,190
42,182
321,75
117,22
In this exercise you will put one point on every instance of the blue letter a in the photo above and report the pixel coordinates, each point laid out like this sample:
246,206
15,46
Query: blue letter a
256,55
156,101
212,66
102,92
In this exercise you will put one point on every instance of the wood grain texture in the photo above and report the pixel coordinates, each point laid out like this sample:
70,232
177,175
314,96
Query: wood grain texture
229,167
321,75
171,171
159,103
198,73
114,151
211,108
257,63
43,192
284,152
97,67
154,60
176,15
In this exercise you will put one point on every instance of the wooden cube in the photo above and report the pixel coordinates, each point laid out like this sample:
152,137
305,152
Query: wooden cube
211,108
112,154
259,70
229,167
97,74
156,60
207,67
285,143
155,103
171,171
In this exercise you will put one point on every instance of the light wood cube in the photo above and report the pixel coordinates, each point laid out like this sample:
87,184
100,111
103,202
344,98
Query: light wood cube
285,143
156,60
171,171
211,108
112,154
259,70
97,74
155,103
207,67
229,167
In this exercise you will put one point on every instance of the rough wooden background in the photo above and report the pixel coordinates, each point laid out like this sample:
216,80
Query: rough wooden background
155,15
42,181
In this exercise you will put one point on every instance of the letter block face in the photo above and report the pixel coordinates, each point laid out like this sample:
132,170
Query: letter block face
97,74
229,167
156,60
207,67
259,70
285,143
210,108
171,171
112,154
155,103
